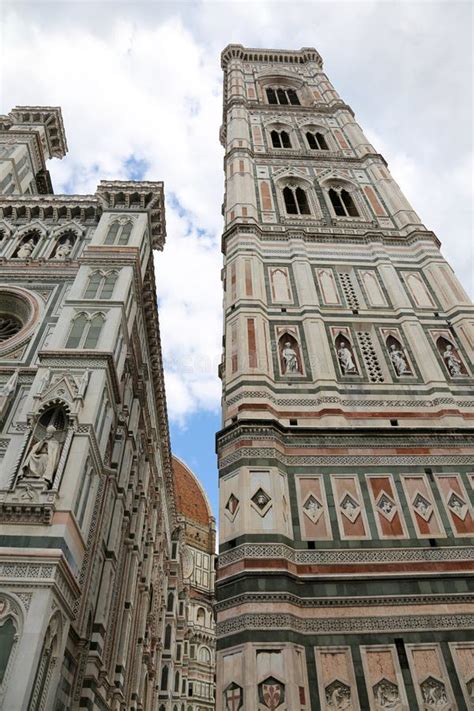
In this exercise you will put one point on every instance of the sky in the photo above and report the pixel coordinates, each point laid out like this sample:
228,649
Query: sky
140,87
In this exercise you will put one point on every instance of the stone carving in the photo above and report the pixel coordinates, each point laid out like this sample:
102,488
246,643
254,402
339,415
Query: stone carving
434,693
271,693
26,249
232,506
349,507
44,382
9,326
6,391
63,250
338,695
386,694
453,362
313,508
346,358
43,458
386,506
422,506
289,358
399,360
233,697
261,501
457,505
83,383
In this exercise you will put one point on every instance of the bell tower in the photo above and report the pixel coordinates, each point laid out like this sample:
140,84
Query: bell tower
345,454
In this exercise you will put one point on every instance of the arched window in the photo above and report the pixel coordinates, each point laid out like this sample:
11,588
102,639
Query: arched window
204,655
280,139
176,684
164,679
85,331
201,616
343,203
101,285
168,637
282,96
296,201
316,141
7,640
170,603
118,233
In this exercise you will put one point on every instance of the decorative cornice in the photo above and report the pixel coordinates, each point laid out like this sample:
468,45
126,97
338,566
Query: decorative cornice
48,116
342,625
367,556
279,56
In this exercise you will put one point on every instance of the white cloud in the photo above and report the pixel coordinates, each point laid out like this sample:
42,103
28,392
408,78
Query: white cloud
144,80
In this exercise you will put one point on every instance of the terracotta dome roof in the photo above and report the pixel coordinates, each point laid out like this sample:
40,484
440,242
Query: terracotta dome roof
191,501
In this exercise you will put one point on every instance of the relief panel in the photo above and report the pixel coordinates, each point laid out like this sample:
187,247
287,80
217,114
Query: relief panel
386,504
456,503
313,508
349,505
463,657
328,287
422,507
336,679
418,290
373,290
430,677
384,678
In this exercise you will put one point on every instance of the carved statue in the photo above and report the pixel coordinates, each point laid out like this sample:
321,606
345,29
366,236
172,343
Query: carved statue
452,361
290,359
83,383
43,459
398,359
44,382
345,358
26,249
64,250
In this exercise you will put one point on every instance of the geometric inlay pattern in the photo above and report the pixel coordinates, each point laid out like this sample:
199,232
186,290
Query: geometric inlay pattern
369,356
386,506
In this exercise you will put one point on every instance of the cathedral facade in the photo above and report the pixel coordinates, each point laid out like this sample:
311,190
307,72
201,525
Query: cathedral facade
346,452
101,595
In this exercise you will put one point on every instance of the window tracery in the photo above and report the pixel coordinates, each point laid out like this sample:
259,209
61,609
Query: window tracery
296,200
316,141
101,285
119,232
280,139
85,331
282,96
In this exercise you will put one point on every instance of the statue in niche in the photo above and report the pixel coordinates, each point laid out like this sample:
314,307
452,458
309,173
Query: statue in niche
26,249
452,360
346,358
289,355
398,358
64,250
43,459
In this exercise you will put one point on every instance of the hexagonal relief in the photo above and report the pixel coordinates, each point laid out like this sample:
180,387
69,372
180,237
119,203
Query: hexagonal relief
313,508
457,505
386,694
261,501
338,695
434,694
349,507
422,506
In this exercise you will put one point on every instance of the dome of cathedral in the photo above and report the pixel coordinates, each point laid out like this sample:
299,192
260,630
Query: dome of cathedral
191,501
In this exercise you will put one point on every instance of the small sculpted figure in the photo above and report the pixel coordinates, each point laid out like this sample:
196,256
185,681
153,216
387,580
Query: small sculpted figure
452,361
64,250
399,361
42,461
345,358
26,249
290,359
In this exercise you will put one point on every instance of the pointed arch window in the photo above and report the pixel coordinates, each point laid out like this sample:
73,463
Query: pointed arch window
101,285
316,141
118,233
296,201
280,139
278,95
342,203
85,331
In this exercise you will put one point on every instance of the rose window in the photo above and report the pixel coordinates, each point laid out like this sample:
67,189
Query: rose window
9,326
